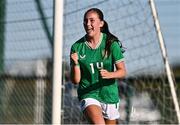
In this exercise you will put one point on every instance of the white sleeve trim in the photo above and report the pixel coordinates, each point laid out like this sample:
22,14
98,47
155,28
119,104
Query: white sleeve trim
118,61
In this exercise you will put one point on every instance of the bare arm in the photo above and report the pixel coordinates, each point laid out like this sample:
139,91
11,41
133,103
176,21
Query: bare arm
75,69
119,73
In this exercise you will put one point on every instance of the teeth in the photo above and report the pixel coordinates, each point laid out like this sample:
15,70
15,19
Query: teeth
89,30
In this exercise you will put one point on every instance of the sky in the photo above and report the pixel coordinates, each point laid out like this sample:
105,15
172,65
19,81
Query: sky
168,11
27,40
169,17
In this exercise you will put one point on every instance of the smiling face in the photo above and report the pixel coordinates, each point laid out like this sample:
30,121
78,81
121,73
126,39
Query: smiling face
92,24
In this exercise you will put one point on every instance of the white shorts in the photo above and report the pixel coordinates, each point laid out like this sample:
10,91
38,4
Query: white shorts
109,111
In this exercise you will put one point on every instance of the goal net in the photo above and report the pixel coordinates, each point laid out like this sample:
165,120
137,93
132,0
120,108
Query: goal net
26,31
25,61
145,93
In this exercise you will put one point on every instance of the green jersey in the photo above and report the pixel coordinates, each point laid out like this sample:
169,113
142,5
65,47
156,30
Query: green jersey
91,61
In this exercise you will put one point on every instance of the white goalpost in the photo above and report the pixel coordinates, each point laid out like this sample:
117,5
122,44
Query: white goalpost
34,92
166,62
136,24
57,62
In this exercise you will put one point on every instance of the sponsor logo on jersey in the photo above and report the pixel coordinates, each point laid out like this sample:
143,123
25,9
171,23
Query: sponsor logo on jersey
82,56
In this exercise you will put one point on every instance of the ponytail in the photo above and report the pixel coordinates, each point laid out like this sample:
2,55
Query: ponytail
105,29
110,39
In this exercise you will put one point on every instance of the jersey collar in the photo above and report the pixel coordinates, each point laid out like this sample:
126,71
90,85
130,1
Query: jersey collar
100,40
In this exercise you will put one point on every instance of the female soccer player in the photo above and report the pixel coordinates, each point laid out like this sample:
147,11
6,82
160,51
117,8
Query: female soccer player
96,63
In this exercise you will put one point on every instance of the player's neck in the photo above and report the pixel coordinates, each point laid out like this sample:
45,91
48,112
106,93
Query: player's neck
95,39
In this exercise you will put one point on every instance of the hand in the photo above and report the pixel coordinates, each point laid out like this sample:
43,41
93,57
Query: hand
74,57
105,74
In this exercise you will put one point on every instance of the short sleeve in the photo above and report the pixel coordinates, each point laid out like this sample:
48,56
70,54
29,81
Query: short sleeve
72,51
117,55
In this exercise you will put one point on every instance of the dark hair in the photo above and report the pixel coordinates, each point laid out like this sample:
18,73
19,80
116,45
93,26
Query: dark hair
105,29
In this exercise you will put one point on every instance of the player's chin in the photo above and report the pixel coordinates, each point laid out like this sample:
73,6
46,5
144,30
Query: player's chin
90,33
